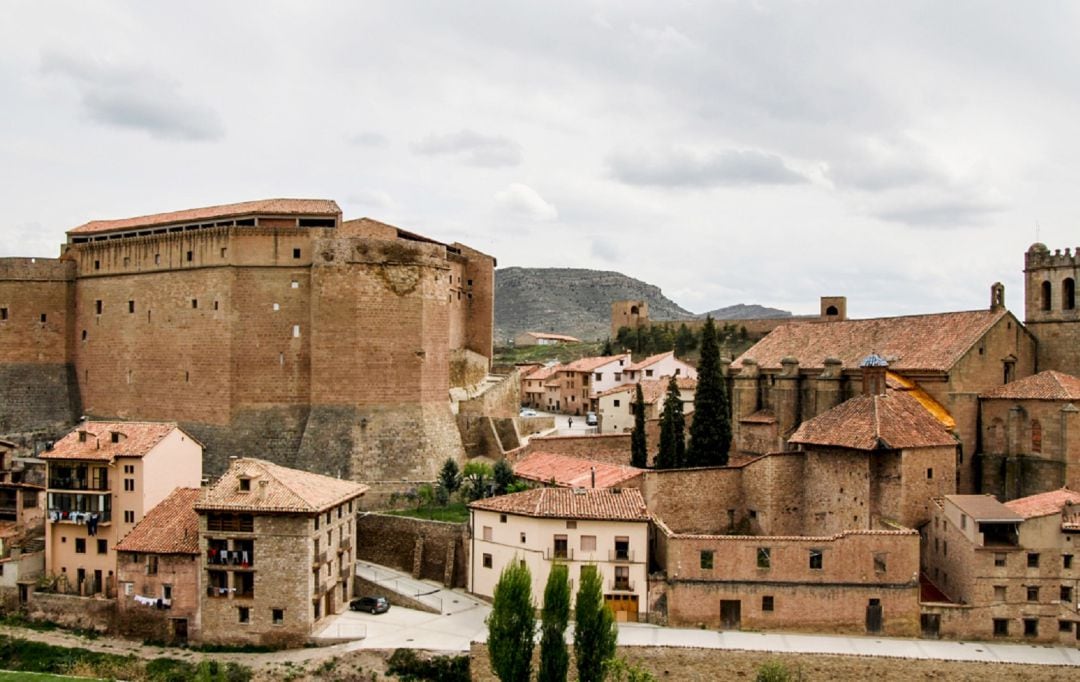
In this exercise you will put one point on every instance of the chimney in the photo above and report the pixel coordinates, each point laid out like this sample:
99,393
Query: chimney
592,472
873,374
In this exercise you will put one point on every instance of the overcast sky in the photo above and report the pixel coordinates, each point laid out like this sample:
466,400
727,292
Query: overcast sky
898,153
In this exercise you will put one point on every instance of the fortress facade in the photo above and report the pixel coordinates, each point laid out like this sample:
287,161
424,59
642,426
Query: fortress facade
269,328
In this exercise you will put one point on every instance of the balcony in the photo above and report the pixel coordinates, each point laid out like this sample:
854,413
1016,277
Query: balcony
71,483
217,592
621,555
345,572
219,556
559,553
319,559
346,543
321,586
621,585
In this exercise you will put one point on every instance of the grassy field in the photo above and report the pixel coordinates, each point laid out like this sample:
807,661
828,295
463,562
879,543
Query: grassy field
563,353
10,676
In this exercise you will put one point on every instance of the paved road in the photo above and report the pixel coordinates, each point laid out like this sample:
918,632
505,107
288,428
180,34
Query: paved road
462,622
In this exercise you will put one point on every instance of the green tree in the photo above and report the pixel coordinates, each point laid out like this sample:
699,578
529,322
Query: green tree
595,632
710,432
639,448
672,430
624,338
685,341
554,656
609,349
512,624
450,475
503,476
476,480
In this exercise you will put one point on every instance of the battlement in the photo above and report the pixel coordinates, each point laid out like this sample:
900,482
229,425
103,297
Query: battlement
1039,256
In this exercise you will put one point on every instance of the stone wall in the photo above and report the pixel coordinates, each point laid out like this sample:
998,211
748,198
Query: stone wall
70,611
612,448
432,550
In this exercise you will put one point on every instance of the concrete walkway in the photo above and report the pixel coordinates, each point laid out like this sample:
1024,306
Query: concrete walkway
463,616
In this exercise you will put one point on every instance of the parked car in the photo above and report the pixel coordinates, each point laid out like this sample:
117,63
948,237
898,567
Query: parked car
528,412
370,604
590,419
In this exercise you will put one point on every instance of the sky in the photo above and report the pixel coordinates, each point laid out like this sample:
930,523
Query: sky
902,154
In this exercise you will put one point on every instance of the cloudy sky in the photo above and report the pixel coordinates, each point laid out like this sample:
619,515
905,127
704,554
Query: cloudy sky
902,154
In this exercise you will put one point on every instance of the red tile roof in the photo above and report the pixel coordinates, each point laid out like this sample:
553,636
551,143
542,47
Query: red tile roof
572,472
892,421
591,364
651,360
137,439
914,342
652,389
1044,504
275,488
1048,385
274,207
760,417
567,503
543,373
171,527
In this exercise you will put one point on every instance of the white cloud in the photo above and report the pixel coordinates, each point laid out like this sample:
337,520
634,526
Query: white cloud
472,148
522,200
686,168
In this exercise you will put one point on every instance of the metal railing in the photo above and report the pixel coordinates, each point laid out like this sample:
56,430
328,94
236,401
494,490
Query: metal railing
620,555
564,553
346,543
622,585
62,483
319,559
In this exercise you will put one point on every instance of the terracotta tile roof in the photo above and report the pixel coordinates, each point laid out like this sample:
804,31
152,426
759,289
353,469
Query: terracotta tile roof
275,488
760,417
591,364
171,527
984,508
138,438
307,207
892,421
653,389
1048,385
568,503
553,337
651,360
542,373
914,342
1044,504
572,472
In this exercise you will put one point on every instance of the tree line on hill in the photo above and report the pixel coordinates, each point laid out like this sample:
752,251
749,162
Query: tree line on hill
710,431
662,337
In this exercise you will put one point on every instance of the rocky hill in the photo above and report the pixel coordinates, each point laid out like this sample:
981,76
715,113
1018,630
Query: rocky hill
578,302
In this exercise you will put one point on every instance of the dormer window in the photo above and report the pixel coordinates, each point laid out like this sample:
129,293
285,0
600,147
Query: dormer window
245,484
116,435
82,436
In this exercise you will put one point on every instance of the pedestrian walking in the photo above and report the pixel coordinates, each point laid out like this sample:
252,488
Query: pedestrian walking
570,422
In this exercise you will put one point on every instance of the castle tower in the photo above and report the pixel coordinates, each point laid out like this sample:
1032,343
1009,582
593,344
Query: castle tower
834,308
631,314
1050,310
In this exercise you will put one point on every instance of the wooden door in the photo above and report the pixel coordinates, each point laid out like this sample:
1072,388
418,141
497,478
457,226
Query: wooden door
730,614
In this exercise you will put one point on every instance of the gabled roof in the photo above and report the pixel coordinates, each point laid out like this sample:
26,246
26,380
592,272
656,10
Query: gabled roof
871,422
1044,504
543,373
277,207
651,360
591,364
137,439
933,342
652,389
1048,385
171,527
572,472
570,503
274,488
984,508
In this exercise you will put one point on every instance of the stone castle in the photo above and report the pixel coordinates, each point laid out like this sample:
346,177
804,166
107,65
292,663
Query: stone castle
269,328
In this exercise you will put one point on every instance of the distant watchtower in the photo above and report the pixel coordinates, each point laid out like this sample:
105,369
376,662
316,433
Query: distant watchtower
1050,310
834,308
631,314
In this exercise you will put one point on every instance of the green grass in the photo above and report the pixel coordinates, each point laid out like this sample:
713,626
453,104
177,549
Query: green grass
566,352
8,676
455,512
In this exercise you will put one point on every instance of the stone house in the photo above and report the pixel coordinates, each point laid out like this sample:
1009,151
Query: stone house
1030,435
883,452
22,498
534,392
581,381
803,369
276,552
157,567
1005,569
660,365
543,339
603,530
615,406
102,478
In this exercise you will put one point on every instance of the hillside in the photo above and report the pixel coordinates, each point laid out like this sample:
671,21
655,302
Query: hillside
578,302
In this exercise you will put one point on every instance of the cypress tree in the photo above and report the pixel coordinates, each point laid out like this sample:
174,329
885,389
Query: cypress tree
672,429
595,632
554,655
512,624
710,432
639,449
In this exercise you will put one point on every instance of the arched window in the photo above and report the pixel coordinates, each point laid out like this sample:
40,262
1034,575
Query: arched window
1046,295
1036,436
831,311
1068,294
633,310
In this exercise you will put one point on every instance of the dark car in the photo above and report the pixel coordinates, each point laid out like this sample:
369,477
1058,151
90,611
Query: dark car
370,604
